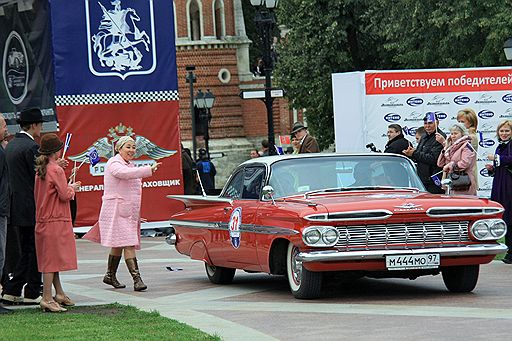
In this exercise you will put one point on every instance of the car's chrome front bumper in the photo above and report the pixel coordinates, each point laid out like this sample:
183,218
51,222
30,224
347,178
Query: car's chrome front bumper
460,251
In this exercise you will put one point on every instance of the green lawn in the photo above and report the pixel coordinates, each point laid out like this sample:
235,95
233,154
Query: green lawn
105,322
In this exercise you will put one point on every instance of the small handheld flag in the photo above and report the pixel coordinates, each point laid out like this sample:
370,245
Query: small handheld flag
430,117
66,143
436,180
279,150
93,156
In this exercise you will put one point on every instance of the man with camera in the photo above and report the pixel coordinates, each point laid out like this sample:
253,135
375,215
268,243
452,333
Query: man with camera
427,153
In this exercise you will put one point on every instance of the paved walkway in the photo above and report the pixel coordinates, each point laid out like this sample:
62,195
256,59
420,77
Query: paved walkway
260,307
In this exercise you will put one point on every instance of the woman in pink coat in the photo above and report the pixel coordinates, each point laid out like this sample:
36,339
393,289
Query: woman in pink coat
458,154
55,241
119,222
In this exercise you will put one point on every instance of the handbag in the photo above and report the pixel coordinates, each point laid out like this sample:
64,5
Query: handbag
460,180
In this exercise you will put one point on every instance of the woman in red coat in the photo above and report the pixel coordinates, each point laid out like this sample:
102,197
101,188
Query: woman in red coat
55,242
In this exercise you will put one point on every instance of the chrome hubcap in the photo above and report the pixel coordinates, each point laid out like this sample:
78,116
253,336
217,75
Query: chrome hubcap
296,266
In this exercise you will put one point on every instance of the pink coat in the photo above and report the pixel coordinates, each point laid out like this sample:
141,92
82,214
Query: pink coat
119,221
463,155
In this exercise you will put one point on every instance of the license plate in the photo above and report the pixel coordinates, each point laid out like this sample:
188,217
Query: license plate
411,262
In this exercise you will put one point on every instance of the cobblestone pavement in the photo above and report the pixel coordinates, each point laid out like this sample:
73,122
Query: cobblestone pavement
260,307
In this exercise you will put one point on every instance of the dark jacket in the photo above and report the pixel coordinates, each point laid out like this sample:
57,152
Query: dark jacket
309,145
20,154
502,184
396,145
425,156
189,176
207,174
4,185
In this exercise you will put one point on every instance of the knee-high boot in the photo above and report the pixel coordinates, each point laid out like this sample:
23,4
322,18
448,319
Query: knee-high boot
133,268
110,276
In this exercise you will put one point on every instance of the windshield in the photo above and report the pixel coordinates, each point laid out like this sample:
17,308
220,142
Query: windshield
300,175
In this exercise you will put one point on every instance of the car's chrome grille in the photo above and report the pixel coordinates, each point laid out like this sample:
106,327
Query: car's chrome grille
403,235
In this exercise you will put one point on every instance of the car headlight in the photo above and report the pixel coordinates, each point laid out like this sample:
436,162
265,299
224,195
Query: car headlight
498,228
320,236
488,229
330,236
312,236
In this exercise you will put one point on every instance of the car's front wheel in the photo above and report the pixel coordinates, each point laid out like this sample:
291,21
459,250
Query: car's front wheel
304,284
461,278
218,274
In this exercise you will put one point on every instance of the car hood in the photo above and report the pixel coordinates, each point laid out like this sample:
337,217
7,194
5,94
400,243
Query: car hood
371,205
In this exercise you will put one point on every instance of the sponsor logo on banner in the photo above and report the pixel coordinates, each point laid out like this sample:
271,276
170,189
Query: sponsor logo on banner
15,68
104,147
507,114
483,156
440,115
487,128
485,185
121,39
461,100
414,116
438,100
485,114
507,98
484,173
414,101
485,99
391,102
486,143
409,131
392,117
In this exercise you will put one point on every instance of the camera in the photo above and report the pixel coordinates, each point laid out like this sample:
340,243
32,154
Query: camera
372,147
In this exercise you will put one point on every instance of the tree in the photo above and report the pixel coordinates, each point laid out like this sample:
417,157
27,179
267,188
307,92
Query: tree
329,36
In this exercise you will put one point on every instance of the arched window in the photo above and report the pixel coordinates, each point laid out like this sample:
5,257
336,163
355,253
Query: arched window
219,20
194,20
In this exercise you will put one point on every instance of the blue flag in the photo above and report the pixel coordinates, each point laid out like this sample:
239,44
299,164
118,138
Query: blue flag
279,150
430,117
93,156
436,180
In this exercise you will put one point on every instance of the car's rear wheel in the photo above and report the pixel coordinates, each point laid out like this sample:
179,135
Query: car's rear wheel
218,274
461,278
304,284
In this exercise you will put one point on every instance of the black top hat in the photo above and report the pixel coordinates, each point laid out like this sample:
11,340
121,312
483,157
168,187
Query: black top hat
297,126
50,143
32,115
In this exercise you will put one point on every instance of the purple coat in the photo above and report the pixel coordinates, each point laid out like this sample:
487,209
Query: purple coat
502,182
119,221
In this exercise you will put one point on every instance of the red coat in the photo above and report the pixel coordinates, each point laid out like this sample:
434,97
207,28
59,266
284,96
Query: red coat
119,221
55,241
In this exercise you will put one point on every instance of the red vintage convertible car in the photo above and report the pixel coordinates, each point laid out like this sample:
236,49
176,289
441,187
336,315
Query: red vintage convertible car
369,214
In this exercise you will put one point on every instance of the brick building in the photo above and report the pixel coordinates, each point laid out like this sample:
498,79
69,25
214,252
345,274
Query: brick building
210,34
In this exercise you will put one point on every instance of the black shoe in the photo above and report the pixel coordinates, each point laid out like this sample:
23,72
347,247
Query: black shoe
4,310
507,259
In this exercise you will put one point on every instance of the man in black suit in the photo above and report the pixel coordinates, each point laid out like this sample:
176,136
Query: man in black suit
20,155
4,199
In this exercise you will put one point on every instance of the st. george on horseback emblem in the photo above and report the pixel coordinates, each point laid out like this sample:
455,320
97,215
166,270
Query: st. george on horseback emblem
121,37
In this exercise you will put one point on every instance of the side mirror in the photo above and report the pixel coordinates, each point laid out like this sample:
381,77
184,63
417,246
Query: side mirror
448,184
268,193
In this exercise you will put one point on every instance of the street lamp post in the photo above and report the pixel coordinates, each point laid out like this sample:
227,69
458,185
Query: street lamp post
191,79
265,22
204,102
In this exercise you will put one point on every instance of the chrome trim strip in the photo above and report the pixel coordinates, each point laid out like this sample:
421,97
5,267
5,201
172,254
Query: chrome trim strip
464,211
259,229
356,215
335,255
